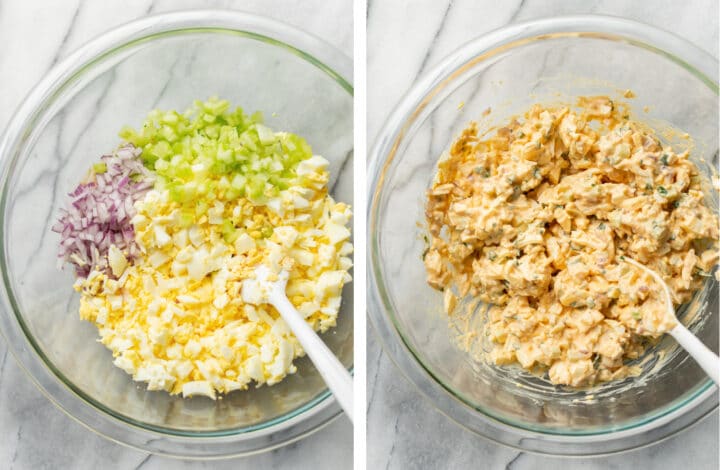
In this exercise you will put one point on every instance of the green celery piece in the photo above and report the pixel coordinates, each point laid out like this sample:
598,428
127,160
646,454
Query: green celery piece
186,219
265,134
228,231
240,156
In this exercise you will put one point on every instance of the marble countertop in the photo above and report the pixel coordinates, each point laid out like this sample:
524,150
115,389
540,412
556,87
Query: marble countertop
35,35
405,39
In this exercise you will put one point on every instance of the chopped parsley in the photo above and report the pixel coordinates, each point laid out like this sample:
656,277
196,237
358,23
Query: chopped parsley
662,191
480,170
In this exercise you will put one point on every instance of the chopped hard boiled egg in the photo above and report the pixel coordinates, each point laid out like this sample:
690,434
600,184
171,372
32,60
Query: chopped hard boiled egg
174,316
535,219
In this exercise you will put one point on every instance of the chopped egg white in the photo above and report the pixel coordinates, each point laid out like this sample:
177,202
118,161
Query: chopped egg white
180,317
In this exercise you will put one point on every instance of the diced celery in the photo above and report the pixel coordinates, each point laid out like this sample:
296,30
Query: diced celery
256,184
216,106
212,131
186,219
100,168
168,133
225,155
201,207
265,134
238,181
170,117
231,194
211,152
228,231
249,141
182,193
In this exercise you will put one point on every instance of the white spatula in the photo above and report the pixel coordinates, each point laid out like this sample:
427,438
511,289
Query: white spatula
335,375
708,360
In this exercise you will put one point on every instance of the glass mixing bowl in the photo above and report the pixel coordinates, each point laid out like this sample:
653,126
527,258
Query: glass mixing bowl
301,85
550,60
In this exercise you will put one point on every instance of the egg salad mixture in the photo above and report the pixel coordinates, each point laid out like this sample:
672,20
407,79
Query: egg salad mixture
164,232
535,219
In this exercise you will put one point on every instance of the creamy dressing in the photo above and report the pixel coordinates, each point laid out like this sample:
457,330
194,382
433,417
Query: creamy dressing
533,219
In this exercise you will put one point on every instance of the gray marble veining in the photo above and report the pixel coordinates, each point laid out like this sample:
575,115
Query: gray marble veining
35,36
405,40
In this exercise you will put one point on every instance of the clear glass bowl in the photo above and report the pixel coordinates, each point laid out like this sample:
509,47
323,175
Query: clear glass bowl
550,60
73,115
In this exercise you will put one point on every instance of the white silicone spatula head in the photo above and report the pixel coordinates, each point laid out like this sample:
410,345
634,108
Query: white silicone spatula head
707,359
267,288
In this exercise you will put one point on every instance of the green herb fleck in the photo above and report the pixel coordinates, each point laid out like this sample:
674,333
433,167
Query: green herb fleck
601,226
636,315
664,159
662,191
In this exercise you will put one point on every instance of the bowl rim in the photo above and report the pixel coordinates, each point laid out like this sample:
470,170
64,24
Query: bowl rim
282,430
380,310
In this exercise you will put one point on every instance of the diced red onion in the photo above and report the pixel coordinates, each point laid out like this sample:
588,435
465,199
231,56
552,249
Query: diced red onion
100,211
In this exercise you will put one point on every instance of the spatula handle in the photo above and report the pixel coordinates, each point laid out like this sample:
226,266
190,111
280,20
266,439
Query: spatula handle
708,360
336,376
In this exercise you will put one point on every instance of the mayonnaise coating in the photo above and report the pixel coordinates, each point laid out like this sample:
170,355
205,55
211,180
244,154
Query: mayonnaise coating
534,218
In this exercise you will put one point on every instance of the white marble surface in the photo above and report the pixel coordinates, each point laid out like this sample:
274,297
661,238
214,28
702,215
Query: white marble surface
405,39
34,36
